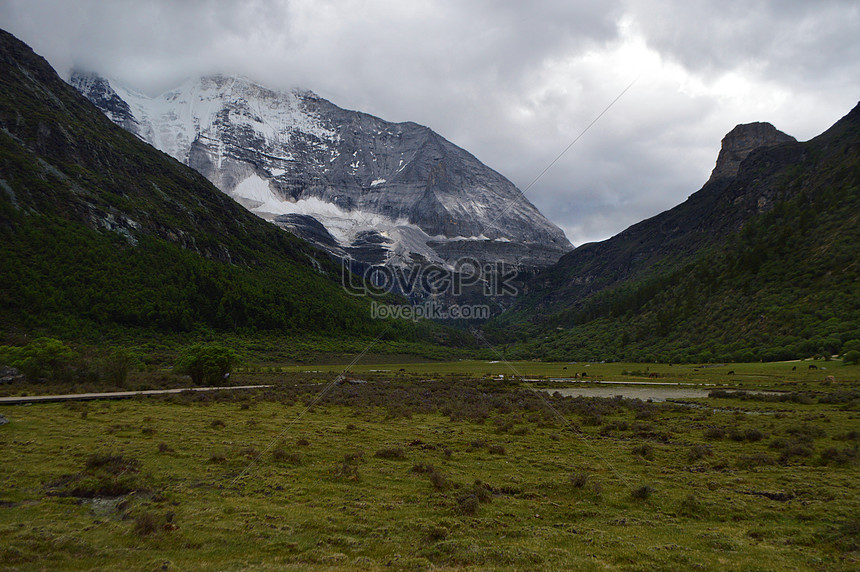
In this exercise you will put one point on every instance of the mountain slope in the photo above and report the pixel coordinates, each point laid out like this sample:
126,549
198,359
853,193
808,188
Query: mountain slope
761,263
389,193
100,232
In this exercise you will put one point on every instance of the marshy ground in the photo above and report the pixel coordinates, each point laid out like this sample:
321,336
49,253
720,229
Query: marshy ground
455,468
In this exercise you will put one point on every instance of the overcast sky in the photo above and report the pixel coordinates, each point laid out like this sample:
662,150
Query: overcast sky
512,82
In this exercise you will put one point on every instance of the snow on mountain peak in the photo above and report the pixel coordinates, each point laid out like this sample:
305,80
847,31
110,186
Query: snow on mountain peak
287,154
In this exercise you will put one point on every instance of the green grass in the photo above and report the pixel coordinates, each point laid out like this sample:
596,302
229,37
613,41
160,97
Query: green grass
772,375
255,480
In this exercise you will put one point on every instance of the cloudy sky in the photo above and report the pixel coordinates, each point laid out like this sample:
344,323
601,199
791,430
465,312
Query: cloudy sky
512,82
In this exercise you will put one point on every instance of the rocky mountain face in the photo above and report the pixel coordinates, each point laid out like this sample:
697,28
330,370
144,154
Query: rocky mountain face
100,234
760,263
371,191
730,197
740,142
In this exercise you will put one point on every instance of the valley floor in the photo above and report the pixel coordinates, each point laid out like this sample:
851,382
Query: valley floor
455,471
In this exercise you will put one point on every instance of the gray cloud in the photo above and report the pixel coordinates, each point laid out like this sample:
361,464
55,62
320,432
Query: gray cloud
512,82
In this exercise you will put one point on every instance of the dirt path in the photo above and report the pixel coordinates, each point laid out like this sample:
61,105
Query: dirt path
115,394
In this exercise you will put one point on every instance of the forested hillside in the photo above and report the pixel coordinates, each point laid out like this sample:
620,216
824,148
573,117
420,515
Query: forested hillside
786,285
101,233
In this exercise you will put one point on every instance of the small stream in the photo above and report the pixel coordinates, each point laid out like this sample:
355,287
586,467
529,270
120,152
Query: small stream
642,390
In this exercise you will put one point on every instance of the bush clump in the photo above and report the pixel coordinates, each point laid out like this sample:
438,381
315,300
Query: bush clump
348,468
206,364
146,524
282,455
469,502
754,460
104,475
496,450
698,452
578,480
715,433
391,453
42,358
439,481
645,451
643,492
836,456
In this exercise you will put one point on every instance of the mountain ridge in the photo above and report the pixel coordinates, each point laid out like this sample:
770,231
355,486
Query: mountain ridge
677,285
104,236
295,153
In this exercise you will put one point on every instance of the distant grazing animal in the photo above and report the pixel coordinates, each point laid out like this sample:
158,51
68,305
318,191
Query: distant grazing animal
584,374
654,375
731,372
813,367
565,367
830,378
794,368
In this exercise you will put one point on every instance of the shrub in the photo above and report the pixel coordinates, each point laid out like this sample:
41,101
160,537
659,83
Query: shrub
753,435
845,456
423,468
736,435
146,524
645,451
207,364
496,450
42,358
715,433
578,480
690,506
346,470
851,358
795,449
104,475
698,452
218,424
643,492
439,481
806,432
249,452
468,504
113,464
436,533
218,457
164,448
392,453
281,455
116,365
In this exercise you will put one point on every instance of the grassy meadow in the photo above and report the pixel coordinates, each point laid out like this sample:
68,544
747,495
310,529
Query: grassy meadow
438,466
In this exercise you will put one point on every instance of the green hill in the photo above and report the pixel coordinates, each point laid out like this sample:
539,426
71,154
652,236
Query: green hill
103,236
761,265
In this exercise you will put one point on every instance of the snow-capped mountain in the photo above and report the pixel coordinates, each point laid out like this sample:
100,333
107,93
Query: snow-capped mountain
384,193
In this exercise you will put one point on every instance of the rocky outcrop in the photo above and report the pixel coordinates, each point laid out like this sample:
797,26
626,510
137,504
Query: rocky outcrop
740,142
737,191
99,91
10,375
